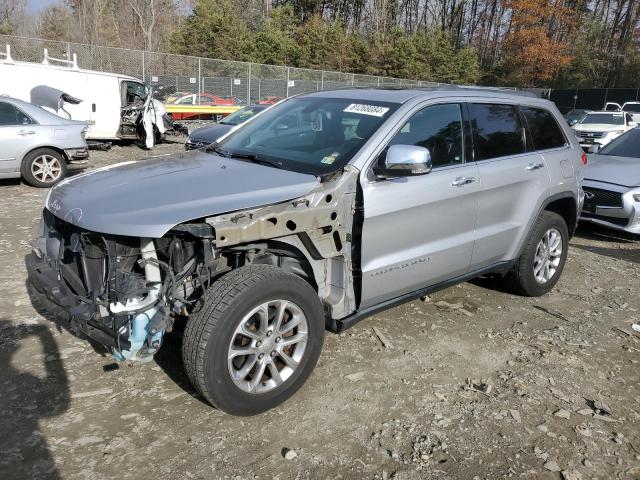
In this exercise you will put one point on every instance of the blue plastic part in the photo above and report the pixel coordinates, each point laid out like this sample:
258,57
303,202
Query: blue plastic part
137,338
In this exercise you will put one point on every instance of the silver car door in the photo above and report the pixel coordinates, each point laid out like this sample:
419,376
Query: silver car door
550,141
16,133
419,230
514,179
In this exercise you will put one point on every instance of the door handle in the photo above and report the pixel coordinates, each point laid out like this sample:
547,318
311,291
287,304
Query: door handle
24,133
535,166
460,181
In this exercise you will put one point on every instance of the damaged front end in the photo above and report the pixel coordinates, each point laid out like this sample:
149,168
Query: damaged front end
123,292
146,121
126,292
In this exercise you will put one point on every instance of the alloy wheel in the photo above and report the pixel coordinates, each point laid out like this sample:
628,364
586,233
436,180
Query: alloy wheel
267,346
46,168
548,256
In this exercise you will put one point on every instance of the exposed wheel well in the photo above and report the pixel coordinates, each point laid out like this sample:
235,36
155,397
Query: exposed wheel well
55,149
287,257
568,210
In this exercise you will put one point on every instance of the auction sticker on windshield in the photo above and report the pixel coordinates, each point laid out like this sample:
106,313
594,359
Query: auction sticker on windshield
373,110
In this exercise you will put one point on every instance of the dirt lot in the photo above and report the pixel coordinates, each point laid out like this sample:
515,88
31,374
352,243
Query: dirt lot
473,383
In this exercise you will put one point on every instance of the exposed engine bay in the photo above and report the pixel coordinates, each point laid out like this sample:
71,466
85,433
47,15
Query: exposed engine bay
127,292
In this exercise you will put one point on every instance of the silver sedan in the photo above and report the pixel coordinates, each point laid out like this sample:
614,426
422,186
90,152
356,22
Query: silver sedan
36,144
612,184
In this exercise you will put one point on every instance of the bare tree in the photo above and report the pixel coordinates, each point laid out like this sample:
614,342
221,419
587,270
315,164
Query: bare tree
12,16
145,11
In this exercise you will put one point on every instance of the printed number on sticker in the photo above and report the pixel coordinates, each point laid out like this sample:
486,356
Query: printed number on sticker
374,110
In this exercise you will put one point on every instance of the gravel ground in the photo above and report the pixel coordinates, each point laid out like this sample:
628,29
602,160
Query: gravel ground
473,383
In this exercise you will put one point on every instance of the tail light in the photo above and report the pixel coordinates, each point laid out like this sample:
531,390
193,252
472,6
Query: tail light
584,158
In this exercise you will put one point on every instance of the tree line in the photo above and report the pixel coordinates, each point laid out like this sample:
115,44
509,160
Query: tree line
525,43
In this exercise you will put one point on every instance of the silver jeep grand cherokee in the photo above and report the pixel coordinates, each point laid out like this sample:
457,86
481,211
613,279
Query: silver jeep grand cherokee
322,210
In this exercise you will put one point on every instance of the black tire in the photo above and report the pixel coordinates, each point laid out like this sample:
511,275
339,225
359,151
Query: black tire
209,333
27,169
521,279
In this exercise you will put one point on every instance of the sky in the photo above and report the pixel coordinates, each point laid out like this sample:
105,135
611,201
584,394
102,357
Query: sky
35,6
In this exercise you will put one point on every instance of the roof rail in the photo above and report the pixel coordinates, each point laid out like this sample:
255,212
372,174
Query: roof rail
5,57
447,87
511,90
69,63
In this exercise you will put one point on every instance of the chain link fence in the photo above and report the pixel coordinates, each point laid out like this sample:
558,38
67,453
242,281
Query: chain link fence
212,81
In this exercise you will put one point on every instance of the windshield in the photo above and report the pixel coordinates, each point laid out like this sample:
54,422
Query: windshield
134,91
632,107
242,115
313,135
627,145
606,118
575,114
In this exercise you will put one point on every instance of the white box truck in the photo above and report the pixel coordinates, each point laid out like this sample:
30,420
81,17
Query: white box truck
116,107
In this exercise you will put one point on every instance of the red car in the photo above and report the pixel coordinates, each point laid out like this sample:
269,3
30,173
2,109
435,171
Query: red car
270,100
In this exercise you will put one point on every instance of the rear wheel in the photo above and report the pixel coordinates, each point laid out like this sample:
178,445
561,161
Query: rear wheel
255,341
539,267
43,168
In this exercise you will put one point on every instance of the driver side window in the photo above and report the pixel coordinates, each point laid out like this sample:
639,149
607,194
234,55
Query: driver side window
133,91
438,128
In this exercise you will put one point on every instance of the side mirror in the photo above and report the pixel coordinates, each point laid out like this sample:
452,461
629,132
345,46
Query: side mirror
633,124
404,161
572,122
594,148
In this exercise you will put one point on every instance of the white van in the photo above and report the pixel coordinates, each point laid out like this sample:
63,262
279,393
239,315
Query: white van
116,107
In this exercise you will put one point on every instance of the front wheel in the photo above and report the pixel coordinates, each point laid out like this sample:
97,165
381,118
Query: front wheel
255,341
539,267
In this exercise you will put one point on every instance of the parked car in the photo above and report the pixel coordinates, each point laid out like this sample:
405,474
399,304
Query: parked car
612,184
203,136
37,145
114,106
634,109
631,107
574,116
202,99
599,128
269,100
171,98
322,210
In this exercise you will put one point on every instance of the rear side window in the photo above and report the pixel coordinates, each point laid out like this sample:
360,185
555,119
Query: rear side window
498,131
10,115
545,131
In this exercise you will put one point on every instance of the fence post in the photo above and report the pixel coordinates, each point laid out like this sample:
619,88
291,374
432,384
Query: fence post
322,80
287,91
353,79
199,79
249,86
231,79
143,69
378,81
